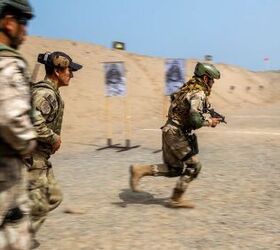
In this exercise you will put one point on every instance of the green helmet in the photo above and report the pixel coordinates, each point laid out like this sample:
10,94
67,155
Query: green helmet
207,69
22,7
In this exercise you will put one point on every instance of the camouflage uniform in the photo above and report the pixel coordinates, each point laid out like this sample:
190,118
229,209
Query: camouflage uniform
179,144
16,132
186,113
44,191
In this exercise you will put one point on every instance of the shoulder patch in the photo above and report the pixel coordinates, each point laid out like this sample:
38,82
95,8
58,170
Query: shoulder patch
45,107
52,100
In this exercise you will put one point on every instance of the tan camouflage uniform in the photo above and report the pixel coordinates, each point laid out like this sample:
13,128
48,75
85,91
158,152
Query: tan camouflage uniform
186,113
44,191
16,132
179,145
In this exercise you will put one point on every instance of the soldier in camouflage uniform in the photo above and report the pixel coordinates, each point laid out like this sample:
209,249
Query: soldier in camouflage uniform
44,191
17,135
187,112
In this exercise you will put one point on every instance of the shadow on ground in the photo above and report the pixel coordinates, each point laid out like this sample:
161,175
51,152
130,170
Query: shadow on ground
128,197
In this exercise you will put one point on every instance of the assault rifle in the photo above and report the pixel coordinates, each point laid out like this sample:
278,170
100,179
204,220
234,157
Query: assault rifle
214,114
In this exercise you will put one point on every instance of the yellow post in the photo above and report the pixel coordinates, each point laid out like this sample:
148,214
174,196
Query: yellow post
108,121
127,122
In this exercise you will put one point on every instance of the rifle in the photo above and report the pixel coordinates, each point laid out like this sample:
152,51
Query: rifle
215,114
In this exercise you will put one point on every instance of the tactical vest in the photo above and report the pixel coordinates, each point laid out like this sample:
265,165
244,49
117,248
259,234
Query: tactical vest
5,51
54,121
179,110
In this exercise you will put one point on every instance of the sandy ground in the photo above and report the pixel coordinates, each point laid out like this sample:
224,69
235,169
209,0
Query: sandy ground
236,195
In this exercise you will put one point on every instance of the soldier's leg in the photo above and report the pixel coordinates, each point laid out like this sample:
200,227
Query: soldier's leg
191,171
54,192
38,198
172,141
176,152
139,171
44,192
38,192
14,209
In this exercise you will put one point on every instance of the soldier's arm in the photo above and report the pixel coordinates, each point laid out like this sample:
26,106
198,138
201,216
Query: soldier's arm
15,122
43,102
197,117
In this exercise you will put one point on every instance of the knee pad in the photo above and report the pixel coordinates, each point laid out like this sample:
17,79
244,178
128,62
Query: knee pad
197,167
192,170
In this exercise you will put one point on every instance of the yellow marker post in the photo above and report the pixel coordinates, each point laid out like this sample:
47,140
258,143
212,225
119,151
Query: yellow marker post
127,122
108,118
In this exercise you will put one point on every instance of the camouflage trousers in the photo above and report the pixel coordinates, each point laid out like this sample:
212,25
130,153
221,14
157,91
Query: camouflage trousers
14,206
44,191
176,148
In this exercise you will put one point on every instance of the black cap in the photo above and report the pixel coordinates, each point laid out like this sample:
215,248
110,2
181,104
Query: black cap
20,8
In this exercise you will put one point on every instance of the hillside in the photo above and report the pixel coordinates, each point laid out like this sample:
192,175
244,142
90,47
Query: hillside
145,105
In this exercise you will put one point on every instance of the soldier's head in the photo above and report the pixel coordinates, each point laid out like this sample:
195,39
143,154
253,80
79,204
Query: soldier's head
59,67
207,72
14,16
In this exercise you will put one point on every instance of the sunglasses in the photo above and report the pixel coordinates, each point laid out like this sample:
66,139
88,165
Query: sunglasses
22,20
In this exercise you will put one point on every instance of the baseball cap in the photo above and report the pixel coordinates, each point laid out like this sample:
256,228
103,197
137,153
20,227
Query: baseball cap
58,59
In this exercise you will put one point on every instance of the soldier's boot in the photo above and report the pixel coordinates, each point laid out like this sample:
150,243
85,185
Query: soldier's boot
139,171
136,173
177,201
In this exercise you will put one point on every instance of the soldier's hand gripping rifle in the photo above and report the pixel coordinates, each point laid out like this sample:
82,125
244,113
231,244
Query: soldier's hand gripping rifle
214,114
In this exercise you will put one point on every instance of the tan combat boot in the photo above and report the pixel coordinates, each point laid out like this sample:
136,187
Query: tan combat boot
176,200
136,173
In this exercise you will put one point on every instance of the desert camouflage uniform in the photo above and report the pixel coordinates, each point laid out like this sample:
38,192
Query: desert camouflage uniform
44,191
186,113
179,144
16,132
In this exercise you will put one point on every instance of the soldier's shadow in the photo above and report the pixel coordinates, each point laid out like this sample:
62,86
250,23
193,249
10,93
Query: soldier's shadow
128,197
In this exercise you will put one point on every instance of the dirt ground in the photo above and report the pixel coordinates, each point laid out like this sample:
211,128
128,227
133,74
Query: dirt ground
237,194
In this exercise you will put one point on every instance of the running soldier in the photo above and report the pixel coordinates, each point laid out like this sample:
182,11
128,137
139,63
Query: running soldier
187,112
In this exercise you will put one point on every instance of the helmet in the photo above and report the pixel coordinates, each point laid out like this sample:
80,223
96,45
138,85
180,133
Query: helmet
207,69
21,7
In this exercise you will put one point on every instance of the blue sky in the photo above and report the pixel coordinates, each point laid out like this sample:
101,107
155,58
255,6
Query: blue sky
238,32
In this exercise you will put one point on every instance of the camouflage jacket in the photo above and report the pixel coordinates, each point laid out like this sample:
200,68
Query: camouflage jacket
188,105
47,100
16,129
